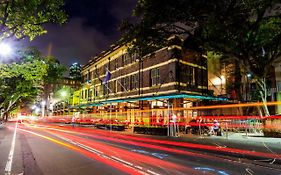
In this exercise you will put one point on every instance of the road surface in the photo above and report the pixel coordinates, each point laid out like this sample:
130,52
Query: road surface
35,149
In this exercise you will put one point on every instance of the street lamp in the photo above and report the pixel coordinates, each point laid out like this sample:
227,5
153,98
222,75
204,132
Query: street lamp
63,94
5,49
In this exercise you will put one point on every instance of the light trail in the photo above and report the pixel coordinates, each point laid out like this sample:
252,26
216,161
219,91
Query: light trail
126,139
124,155
85,152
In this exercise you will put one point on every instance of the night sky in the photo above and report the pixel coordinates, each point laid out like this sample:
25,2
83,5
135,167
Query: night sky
91,28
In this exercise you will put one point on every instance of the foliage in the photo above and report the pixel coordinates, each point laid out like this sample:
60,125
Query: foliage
214,63
24,18
25,80
54,69
238,29
20,82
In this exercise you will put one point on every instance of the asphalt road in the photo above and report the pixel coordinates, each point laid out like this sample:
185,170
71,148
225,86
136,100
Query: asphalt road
57,150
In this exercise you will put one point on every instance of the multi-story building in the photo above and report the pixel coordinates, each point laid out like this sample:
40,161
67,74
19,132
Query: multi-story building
120,80
75,71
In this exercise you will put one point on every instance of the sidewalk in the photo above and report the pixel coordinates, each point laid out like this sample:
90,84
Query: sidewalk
252,137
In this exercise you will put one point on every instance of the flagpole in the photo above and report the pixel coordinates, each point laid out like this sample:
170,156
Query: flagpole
118,81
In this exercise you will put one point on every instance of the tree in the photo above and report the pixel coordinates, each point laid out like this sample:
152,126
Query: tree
248,31
20,83
53,67
54,75
23,81
24,18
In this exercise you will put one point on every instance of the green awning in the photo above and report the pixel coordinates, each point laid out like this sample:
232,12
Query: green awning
154,97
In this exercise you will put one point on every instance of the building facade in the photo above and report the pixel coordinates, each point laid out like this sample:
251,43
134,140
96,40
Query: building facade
75,71
118,80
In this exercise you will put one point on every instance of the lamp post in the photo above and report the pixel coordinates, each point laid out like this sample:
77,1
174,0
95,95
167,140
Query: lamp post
43,103
247,89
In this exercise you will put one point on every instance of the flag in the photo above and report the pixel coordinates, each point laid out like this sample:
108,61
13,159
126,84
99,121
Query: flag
107,76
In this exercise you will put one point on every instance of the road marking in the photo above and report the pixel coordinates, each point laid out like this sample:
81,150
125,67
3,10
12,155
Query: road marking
121,160
152,172
100,153
158,155
9,163
249,171
81,145
271,152
207,169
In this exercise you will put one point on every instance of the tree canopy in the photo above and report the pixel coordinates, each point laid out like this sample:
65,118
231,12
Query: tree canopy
23,81
249,30
25,18
20,83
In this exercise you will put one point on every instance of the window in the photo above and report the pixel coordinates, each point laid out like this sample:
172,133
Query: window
126,59
135,81
155,76
125,84
107,89
86,94
122,84
189,75
96,91
134,57
113,86
90,95
115,64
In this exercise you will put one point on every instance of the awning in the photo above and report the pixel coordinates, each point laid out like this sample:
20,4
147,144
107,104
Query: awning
154,97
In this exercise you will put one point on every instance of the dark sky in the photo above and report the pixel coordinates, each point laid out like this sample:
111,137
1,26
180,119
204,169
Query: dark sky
91,28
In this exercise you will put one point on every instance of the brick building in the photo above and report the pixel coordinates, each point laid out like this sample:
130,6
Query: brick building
115,78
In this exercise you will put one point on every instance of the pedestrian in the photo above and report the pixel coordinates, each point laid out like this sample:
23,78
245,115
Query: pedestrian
216,127
161,120
73,121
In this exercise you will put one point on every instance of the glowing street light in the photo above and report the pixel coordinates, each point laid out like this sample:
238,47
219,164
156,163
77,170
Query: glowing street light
5,49
63,93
